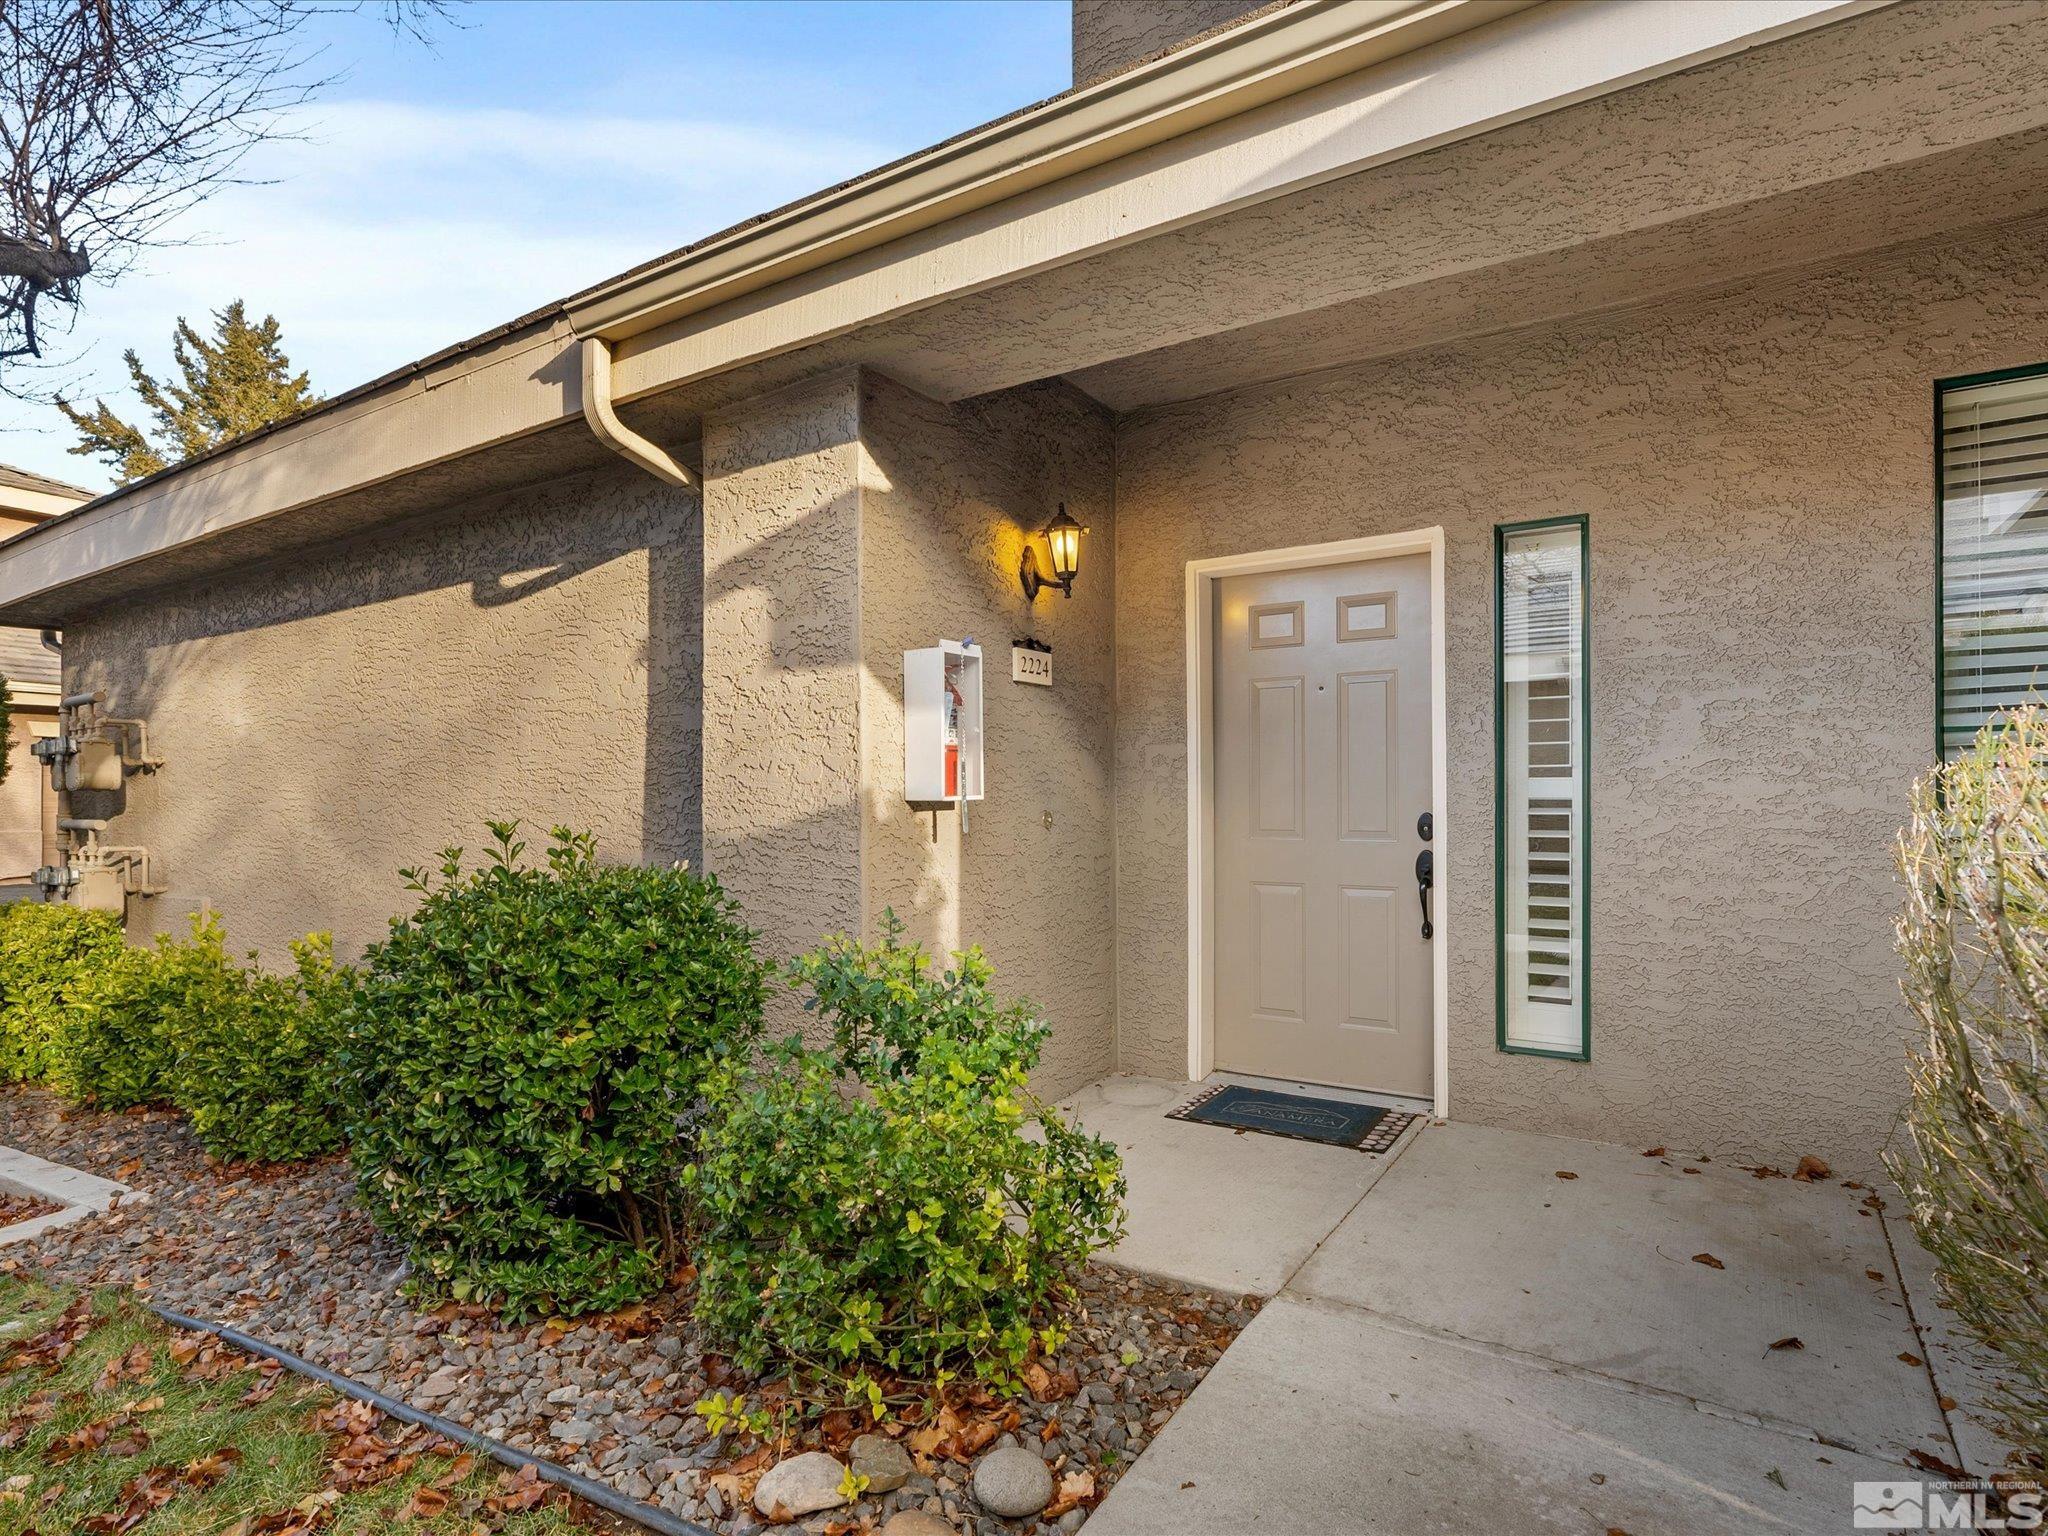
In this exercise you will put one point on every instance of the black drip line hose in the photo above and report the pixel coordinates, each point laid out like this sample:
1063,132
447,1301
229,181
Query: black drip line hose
602,1495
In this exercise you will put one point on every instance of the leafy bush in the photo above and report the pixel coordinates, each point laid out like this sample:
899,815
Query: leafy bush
247,1055
916,1225
256,1052
113,1047
1974,936
521,1057
48,951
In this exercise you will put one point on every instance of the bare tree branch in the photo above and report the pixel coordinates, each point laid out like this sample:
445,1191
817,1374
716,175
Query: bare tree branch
118,115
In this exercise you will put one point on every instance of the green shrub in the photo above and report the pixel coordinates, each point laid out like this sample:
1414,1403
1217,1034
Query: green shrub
48,951
521,1056
256,1052
914,1224
1974,937
115,1047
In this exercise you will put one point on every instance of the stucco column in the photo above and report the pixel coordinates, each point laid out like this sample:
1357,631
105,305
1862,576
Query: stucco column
782,740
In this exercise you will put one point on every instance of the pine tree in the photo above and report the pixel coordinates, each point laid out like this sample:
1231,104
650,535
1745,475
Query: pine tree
233,384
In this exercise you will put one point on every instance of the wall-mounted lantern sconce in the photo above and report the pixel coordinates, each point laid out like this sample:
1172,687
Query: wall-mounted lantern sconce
1063,541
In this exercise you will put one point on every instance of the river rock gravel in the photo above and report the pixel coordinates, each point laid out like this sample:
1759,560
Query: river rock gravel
288,1255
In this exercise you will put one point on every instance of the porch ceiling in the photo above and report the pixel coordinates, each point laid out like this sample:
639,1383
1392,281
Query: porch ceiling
1885,128
1773,160
2001,181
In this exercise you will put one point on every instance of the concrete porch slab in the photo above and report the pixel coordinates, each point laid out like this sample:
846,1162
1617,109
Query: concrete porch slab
1320,1418
1235,1213
1963,1370
1473,1236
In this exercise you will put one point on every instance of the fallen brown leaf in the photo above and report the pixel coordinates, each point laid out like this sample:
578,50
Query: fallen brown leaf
1075,1490
1927,1461
1709,1260
133,1366
1655,1152
1875,1274
1790,1341
210,1468
1812,1170
426,1502
519,1491
1563,1175
1909,1358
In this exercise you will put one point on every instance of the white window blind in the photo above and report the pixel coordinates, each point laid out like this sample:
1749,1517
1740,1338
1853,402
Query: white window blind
1543,938
1994,551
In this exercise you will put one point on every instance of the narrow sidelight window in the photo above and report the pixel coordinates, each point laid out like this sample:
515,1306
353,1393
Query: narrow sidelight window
1993,543
1541,725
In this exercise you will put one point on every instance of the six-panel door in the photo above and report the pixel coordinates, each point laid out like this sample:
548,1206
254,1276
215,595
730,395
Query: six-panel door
1322,767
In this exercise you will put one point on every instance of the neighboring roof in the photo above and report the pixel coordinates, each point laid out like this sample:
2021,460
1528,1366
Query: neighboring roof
25,494
27,480
25,659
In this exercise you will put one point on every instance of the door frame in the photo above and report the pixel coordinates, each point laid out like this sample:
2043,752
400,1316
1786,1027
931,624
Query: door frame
1201,698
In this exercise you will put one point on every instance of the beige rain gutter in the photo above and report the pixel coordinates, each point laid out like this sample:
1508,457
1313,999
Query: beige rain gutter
1240,67
614,433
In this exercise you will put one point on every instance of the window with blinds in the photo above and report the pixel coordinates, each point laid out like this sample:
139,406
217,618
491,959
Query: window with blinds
1994,550
1540,732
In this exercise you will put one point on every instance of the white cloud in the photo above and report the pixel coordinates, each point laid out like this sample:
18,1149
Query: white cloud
392,230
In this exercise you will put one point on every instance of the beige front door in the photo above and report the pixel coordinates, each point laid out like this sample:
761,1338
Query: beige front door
1322,769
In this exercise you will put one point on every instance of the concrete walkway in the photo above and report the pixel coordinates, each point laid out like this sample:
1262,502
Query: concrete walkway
1473,1342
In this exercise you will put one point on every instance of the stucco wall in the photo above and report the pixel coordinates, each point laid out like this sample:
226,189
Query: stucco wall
1755,464
1110,35
325,721
848,519
949,494
782,824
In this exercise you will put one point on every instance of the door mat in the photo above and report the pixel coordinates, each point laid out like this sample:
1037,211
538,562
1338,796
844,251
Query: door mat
1335,1122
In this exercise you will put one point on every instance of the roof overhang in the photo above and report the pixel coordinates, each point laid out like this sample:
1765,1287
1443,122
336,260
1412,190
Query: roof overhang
1270,56
1308,96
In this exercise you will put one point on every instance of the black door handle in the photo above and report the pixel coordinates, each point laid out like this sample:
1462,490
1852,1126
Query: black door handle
1425,878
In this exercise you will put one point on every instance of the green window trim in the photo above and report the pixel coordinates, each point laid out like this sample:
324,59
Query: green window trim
1580,817
1948,737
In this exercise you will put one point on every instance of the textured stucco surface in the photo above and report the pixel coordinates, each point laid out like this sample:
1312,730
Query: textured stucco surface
1768,126
1110,35
1755,465
847,520
327,721
949,495
782,821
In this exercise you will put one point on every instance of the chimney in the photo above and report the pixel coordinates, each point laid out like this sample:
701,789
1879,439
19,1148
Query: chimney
1112,35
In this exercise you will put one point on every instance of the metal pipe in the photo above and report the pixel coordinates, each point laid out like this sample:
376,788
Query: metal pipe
80,700
586,1488
614,433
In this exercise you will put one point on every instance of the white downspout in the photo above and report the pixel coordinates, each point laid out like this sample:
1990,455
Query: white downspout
614,433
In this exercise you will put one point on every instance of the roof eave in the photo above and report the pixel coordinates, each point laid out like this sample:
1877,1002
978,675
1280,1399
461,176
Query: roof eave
1232,71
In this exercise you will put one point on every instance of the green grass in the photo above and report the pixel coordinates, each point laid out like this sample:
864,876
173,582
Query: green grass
164,1411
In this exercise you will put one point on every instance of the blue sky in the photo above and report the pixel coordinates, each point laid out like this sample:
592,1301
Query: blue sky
533,149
